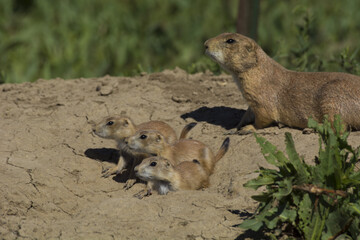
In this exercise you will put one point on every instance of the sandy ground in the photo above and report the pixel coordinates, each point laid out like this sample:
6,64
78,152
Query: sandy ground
50,162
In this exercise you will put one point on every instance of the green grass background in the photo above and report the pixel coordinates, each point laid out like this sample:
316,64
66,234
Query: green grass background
92,38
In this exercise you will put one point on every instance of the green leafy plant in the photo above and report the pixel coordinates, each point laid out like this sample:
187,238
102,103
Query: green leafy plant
320,201
302,57
347,62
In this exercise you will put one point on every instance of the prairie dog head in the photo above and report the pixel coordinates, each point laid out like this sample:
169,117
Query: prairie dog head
154,169
114,127
234,52
151,142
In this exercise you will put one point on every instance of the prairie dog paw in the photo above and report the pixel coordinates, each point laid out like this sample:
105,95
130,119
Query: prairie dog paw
129,183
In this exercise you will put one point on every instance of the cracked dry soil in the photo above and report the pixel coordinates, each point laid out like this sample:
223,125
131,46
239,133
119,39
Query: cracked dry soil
50,163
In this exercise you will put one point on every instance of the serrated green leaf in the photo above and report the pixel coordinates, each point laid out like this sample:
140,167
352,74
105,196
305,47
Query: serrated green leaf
337,169
252,224
355,208
262,198
329,163
319,217
355,177
339,126
264,210
305,216
272,222
288,215
354,229
270,152
272,210
267,149
269,172
317,229
258,182
285,188
295,160
334,223
313,124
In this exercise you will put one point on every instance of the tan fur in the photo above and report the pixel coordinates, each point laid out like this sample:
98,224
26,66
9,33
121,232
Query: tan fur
278,95
122,127
165,177
153,142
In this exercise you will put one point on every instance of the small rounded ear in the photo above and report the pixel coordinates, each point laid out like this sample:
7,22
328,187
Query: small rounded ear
126,122
249,46
158,137
92,124
167,164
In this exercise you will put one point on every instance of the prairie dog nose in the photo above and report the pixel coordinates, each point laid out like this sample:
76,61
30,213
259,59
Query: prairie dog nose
206,44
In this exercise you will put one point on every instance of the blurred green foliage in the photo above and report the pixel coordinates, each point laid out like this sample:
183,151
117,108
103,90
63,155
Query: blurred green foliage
91,38
312,35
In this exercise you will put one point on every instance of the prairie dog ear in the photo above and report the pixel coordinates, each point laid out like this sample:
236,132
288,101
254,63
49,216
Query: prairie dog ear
249,46
158,137
92,123
126,122
167,164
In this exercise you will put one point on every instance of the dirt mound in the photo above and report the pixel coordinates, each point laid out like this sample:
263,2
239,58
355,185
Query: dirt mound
50,181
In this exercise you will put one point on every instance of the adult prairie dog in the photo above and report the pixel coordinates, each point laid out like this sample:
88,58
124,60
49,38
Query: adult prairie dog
154,143
165,177
277,95
120,127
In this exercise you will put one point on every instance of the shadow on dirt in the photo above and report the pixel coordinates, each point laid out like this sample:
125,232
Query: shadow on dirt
103,154
108,155
225,117
248,234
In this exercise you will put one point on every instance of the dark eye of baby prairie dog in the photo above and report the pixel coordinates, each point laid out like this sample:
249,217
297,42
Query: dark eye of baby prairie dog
143,136
153,164
109,123
230,41
196,161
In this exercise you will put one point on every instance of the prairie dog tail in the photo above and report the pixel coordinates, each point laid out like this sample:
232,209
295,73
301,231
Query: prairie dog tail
187,129
223,149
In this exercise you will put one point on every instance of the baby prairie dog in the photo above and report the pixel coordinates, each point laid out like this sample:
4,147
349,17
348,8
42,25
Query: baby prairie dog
154,143
165,177
120,127
277,95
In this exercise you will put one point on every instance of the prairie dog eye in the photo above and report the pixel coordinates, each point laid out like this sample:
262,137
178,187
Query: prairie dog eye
153,164
196,161
109,123
143,136
230,41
